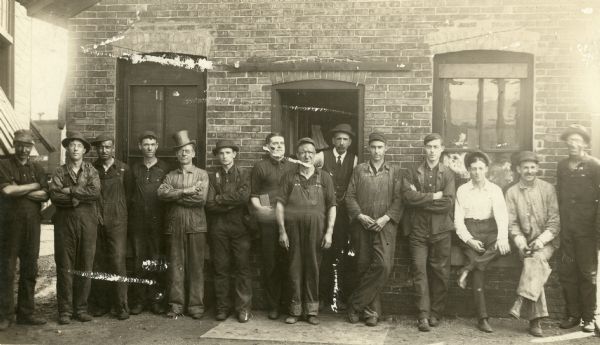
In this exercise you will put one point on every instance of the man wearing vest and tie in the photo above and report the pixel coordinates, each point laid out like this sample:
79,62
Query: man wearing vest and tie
339,163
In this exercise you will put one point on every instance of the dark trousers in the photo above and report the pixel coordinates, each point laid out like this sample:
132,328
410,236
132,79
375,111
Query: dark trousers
275,266
374,261
111,250
185,271
335,266
231,257
19,238
305,235
485,231
431,271
577,276
75,232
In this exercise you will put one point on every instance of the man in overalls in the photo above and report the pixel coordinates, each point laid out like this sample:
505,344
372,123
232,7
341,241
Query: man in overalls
23,187
265,178
305,214
144,235
339,163
111,245
227,204
578,186
75,191
374,203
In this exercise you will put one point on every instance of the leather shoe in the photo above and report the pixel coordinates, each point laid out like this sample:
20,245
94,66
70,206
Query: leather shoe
243,316
352,316
222,315
371,321
423,325
274,314
535,328
31,320
123,315
4,324
569,322
84,317
99,312
137,309
64,319
312,319
484,326
158,308
291,320
434,321
197,316
588,326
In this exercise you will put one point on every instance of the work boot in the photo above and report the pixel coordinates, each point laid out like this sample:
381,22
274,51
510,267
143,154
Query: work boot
535,328
4,324
371,321
569,322
312,319
423,325
243,316
84,317
158,308
352,315
30,320
588,326
291,319
274,314
123,315
136,309
484,326
434,321
64,319
97,312
221,315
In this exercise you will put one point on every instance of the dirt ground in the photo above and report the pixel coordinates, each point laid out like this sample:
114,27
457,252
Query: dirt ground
147,328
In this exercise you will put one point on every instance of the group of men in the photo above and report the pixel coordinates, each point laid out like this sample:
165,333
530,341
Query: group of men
327,226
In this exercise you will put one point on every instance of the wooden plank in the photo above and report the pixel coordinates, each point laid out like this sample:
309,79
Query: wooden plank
484,70
316,66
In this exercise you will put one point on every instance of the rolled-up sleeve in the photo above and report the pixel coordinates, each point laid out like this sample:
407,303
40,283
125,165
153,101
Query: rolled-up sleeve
330,199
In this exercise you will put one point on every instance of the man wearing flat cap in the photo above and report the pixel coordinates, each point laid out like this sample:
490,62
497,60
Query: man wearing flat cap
23,187
75,191
305,211
428,225
533,225
481,222
111,244
227,205
578,186
374,203
339,163
185,190
146,250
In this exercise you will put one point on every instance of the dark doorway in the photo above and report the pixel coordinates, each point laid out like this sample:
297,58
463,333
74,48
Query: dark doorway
164,99
312,108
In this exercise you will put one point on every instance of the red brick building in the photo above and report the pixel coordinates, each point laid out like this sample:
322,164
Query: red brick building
501,75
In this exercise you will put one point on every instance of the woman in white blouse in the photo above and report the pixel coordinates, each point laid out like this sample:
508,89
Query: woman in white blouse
481,221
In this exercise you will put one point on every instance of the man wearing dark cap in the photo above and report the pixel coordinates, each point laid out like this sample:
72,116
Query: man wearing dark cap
374,203
481,222
533,225
427,223
227,205
75,191
146,251
305,214
111,244
23,187
265,178
339,163
578,186
185,190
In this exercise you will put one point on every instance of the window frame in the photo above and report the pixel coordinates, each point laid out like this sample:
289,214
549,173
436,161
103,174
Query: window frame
7,71
478,59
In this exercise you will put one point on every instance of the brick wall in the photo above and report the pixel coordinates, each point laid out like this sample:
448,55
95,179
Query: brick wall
562,35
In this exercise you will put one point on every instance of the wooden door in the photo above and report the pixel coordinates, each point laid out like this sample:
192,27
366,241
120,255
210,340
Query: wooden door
163,99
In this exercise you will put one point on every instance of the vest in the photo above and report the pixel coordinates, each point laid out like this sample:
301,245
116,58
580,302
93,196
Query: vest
340,177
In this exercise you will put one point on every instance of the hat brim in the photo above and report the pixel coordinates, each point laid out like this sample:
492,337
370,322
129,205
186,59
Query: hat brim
570,131
28,142
332,132
235,148
191,142
66,141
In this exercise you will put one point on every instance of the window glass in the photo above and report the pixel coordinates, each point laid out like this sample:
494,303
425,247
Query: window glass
146,113
460,107
181,110
500,113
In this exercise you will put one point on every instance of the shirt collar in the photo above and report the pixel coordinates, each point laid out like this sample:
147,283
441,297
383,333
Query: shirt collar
336,154
222,170
524,186
383,166
486,185
190,169
16,161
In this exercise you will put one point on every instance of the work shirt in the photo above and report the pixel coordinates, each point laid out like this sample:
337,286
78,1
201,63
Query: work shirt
266,175
533,212
425,216
146,180
185,213
480,204
375,193
13,172
227,199
578,197
320,179
84,185
115,190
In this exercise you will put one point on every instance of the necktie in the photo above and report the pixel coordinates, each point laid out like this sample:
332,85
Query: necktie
339,162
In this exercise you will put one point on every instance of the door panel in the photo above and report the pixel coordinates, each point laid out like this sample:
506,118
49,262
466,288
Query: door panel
182,107
146,112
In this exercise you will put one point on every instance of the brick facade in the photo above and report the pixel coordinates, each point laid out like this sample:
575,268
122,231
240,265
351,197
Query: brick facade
563,36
